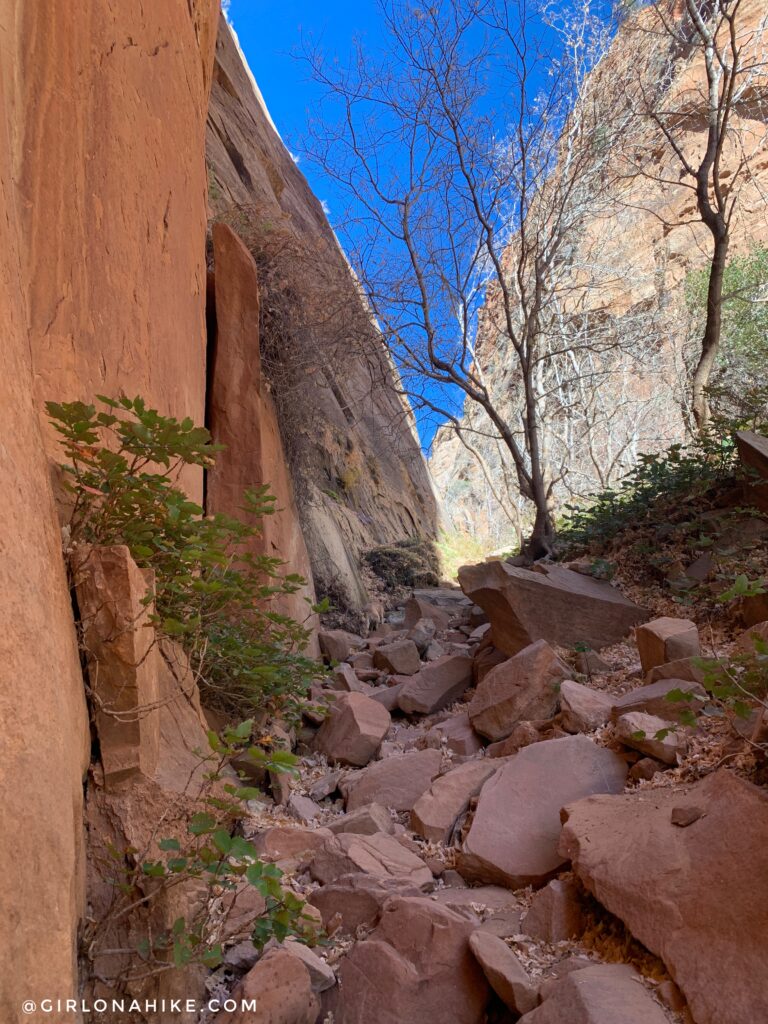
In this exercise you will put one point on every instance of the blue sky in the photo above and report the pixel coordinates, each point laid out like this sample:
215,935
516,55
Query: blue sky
270,31
270,34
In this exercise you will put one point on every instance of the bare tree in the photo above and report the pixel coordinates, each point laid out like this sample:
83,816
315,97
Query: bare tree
723,43
473,154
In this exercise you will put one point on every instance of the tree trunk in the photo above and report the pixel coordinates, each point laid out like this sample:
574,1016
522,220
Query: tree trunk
710,344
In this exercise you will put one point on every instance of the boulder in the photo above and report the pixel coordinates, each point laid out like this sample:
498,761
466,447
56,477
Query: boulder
321,976
521,736
439,683
354,901
524,687
666,639
589,663
388,696
480,899
347,680
639,731
325,785
417,608
583,709
635,854
516,827
338,644
683,668
556,913
379,855
506,975
486,657
457,734
365,821
422,634
415,968
400,658
281,988
753,451
289,847
552,603
599,994
652,699
435,812
303,808
353,729
396,782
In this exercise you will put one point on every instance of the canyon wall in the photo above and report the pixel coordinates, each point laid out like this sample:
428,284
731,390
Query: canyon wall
351,442
105,280
626,276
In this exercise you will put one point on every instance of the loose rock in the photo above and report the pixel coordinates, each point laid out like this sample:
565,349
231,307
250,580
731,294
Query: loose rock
524,687
514,833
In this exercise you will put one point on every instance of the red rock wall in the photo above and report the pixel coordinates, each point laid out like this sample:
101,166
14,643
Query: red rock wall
113,183
44,742
242,416
102,273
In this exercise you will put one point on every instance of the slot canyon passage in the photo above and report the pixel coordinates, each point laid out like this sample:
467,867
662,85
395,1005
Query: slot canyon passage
384,543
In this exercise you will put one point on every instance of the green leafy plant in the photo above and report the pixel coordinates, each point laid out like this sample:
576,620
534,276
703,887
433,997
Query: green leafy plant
211,592
204,852
658,481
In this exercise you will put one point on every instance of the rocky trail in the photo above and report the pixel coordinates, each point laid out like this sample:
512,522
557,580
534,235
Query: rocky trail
491,824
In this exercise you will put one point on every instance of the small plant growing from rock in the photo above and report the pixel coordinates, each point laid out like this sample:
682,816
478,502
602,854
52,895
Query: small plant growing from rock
210,592
204,853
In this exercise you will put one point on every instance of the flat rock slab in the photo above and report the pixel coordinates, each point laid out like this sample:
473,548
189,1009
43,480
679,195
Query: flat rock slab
652,699
524,687
355,900
514,834
551,603
439,683
435,812
506,975
397,781
457,734
687,872
603,994
379,855
416,968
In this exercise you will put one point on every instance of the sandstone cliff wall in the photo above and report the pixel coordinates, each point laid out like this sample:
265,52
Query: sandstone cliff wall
360,476
631,259
103,279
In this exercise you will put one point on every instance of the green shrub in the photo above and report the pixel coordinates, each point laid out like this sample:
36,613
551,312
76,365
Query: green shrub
210,593
206,853
658,481
406,563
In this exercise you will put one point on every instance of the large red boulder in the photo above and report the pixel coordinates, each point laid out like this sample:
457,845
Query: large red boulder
438,683
397,781
599,994
524,688
353,730
415,968
549,603
513,839
687,872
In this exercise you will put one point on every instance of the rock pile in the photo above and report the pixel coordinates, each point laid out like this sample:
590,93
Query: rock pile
462,821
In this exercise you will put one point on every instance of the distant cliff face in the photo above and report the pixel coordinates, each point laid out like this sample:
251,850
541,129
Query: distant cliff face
358,472
631,260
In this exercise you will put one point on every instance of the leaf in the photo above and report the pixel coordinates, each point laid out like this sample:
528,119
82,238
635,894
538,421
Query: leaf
201,823
169,844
